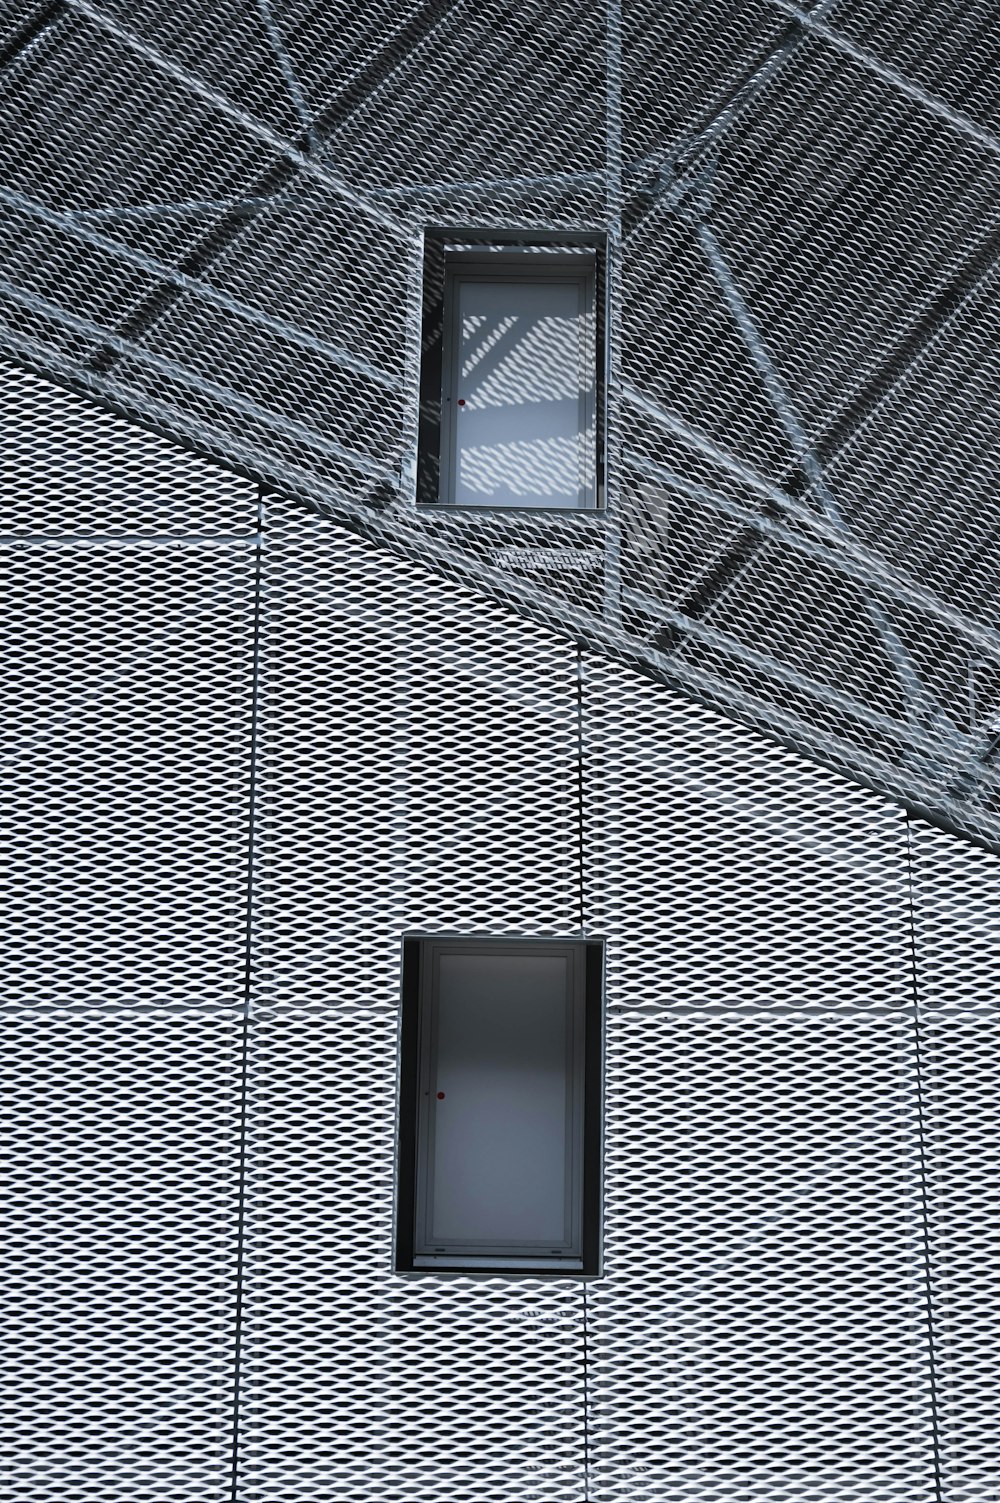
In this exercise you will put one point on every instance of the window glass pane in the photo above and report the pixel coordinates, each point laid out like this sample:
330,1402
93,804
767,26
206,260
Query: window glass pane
503,1155
522,390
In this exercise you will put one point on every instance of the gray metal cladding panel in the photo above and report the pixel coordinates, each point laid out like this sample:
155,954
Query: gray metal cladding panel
75,66
701,375
947,402
953,56
795,224
236,49
214,219
761,1328
670,58
292,236
546,59
120,1192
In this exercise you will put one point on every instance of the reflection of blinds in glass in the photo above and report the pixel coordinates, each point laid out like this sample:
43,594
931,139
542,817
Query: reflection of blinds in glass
520,393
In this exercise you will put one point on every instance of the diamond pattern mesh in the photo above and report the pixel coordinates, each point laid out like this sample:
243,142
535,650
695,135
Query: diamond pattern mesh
247,751
213,221
121,1148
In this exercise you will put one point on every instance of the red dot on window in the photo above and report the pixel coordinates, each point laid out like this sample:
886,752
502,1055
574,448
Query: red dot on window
440,1095
461,401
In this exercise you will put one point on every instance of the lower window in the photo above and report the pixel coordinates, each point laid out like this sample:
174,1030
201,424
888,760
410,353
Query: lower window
499,1153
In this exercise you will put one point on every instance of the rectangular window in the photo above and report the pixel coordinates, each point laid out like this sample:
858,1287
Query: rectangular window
500,1111
510,386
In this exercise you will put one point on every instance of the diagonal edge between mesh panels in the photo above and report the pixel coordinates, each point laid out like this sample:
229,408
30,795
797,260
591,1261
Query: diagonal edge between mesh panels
71,469
777,1187
889,757
221,234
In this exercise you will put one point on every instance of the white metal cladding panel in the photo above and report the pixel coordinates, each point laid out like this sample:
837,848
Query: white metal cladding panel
416,770
492,738
761,1328
119,1207
329,801
760,1331
125,676
956,894
357,1383
956,922
962,1133
125,681
730,874
69,468
417,767
765,1203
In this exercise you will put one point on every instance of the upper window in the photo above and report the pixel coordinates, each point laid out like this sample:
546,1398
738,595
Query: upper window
500,1101
511,377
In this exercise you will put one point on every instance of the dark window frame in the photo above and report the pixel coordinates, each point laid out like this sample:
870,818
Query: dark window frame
407,1136
512,254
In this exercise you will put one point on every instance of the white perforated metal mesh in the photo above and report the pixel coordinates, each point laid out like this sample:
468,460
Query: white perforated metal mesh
126,625
213,220
303,748
394,794
761,1329
121,1148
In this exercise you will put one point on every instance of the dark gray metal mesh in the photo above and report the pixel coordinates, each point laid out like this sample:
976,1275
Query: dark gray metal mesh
213,218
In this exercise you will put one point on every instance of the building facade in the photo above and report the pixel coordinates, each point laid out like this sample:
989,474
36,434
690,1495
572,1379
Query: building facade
684,645
248,754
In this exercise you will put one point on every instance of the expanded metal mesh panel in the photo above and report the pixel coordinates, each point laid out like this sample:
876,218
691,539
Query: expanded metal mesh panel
952,54
124,774
214,219
406,730
121,1152
355,1382
751,880
417,770
962,1110
956,921
126,682
955,953
264,740
126,627
760,1331
71,470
